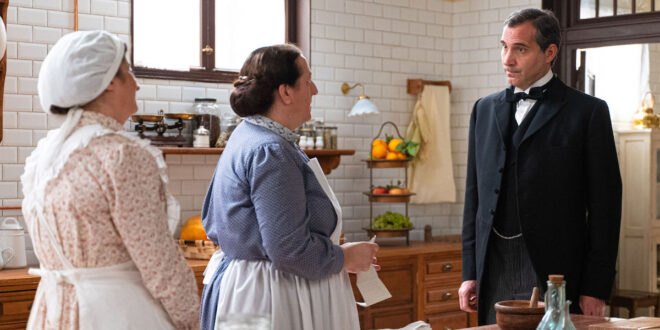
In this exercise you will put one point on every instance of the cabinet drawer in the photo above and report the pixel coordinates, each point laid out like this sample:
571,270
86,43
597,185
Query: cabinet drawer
440,299
442,269
15,306
448,321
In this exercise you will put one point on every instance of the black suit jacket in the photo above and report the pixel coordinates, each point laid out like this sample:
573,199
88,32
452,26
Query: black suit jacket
568,188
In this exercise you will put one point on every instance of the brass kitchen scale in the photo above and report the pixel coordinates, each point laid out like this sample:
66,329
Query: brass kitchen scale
158,124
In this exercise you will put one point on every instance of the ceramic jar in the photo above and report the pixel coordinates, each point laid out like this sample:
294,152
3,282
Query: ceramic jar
12,236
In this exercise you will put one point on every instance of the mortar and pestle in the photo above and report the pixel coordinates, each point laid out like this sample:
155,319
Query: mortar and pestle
520,314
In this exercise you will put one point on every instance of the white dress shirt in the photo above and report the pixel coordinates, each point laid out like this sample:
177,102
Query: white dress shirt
523,106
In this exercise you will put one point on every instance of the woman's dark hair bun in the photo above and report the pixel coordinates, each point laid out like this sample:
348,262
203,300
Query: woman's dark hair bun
262,73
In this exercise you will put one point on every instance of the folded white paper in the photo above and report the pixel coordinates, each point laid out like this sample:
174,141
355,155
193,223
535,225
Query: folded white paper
371,287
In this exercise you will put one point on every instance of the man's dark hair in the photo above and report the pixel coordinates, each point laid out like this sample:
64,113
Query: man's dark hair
545,23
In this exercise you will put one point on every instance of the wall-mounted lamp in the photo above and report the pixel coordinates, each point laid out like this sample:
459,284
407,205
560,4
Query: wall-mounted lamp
363,105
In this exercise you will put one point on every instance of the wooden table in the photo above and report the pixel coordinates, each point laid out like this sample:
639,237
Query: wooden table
581,322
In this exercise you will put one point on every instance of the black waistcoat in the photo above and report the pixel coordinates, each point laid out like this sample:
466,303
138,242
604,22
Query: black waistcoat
507,220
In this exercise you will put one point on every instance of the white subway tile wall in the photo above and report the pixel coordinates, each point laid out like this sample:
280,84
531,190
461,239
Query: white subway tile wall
379,43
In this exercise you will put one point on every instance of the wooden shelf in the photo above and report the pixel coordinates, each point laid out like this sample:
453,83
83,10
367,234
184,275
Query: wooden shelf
328,158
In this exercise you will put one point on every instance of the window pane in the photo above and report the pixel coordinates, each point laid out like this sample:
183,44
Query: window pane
166,34
623,7
241,26
643,6
605,8
587,9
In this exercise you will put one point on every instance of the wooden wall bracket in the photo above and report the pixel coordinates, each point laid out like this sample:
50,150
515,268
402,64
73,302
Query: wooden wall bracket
416,86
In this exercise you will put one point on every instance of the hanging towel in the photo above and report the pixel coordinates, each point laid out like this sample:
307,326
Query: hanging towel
431,174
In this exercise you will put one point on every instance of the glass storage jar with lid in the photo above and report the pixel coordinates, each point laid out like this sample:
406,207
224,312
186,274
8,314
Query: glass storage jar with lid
330,137
208,112
228,123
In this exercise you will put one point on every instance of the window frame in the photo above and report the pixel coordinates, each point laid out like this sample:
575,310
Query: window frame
297,31
579,33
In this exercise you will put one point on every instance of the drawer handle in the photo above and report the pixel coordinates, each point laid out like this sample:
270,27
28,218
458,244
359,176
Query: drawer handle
447,267
446,296
448,328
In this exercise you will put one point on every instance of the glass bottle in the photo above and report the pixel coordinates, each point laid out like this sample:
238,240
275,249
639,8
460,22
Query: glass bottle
556,307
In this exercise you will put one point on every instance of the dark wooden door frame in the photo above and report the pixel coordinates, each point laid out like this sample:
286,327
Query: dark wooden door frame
597,32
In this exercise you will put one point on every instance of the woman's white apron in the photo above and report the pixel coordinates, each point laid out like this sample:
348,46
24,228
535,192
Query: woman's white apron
291,302
111,297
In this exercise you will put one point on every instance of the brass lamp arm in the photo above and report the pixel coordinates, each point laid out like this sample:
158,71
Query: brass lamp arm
345,88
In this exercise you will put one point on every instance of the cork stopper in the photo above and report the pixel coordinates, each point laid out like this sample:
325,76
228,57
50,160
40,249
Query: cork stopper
556,280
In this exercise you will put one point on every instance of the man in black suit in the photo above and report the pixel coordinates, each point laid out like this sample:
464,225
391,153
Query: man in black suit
543,189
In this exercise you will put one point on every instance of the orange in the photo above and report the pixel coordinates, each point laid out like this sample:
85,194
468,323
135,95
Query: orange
194,230
391,155
379,151
393,143
378,141
400,155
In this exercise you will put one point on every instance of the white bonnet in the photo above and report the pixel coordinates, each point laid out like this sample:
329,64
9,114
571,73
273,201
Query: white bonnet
79,68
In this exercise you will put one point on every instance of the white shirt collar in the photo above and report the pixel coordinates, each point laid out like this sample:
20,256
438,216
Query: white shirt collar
544,80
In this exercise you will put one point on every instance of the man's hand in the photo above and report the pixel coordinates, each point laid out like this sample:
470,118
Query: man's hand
591,306
467,296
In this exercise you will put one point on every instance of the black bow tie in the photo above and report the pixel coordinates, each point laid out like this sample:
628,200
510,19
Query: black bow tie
535,93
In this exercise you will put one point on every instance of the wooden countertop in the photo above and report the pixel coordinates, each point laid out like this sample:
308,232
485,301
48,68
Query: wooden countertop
18,279
581,322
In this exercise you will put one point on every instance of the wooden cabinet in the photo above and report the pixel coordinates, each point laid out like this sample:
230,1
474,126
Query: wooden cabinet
17,290
423,279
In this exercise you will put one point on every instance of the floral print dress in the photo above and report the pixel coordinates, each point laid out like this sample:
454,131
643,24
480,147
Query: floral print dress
108,206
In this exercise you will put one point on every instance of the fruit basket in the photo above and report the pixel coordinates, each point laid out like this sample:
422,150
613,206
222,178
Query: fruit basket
395,153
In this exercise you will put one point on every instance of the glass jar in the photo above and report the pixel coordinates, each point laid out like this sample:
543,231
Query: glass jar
308,132
330,137
201,138
227,125
318,127
318,144
208,112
